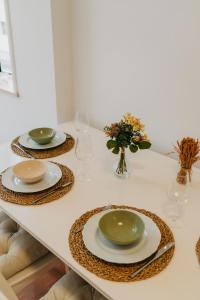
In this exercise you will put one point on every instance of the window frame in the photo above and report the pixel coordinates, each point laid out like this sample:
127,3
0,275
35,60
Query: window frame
14,91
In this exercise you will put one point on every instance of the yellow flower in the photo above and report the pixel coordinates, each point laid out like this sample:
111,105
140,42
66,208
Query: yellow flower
135,122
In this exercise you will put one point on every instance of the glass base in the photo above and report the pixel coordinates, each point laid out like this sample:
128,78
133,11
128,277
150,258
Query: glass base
123,175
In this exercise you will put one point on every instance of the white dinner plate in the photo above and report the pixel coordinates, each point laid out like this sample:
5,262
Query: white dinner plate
51,177
26,141
102,248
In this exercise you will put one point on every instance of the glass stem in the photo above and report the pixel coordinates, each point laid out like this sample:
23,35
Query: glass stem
121,168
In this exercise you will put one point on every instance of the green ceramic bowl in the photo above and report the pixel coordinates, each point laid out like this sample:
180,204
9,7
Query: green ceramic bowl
43,135
121,227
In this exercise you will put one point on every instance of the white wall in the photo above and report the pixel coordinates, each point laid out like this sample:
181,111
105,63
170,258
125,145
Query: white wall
142,57
61,25
36,106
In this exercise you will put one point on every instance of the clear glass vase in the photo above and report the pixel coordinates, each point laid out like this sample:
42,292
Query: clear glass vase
184,176
121,167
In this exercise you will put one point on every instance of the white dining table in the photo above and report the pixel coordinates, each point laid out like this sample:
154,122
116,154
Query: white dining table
151,175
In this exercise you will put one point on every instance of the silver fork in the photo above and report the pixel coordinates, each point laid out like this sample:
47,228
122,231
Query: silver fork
24,150
105,208
51,192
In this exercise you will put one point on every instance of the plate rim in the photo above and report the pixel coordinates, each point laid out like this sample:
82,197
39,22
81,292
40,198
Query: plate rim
113,259
41,147
32,192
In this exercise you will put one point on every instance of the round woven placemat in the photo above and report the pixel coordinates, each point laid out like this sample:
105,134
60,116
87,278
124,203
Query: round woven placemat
198,250
112,271
28,199
41,154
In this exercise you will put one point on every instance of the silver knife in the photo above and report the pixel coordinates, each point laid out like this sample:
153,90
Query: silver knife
23,150
51,192
158,254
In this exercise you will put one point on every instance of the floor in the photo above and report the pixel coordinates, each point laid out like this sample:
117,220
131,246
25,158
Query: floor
40,286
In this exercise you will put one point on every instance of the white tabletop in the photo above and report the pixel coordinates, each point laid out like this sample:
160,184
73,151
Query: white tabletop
146,188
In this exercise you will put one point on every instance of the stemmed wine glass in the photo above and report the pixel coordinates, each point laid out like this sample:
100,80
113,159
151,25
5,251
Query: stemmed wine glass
179,192
174,207
84,153
174,210
81,121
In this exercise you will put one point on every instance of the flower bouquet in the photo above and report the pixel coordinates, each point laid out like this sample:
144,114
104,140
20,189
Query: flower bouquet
129,132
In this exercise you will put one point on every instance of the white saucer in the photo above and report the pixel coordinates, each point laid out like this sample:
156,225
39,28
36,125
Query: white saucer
51,177
26,141
102,248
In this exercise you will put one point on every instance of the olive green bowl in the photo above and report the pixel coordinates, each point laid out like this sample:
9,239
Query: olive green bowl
121,227
43,135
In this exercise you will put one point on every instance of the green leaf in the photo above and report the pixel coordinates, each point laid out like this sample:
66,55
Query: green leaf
116,150
111,144
133,148
123,139
144,145
122,136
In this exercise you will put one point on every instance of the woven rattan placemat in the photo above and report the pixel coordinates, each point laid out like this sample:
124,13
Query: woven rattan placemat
198,250
47,153
116,272
28,199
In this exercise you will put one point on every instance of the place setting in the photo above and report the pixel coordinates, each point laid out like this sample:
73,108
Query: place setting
121,243
34,182
42,143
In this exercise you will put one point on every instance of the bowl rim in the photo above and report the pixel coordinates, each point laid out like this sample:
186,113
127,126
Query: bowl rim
53,132
118,241
42,172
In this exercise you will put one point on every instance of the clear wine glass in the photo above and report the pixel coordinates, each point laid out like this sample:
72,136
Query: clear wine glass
179,192
174,210
81,121
84,153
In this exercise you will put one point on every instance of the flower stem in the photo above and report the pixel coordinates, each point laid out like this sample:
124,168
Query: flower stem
121,168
